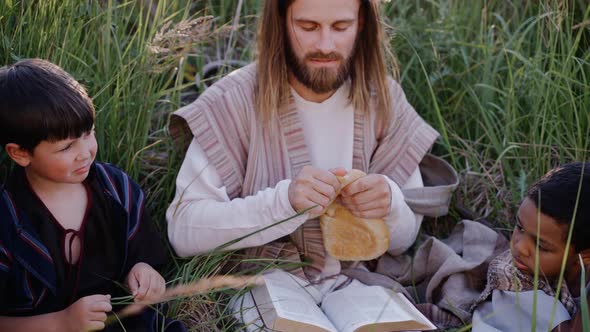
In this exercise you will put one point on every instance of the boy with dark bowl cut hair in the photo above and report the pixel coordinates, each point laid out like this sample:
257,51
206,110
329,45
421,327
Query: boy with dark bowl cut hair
71,228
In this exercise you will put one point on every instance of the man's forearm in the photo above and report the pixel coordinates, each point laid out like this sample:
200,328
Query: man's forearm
403,223
197,227
202,216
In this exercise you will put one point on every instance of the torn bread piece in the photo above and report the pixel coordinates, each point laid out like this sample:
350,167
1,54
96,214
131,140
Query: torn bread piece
349,238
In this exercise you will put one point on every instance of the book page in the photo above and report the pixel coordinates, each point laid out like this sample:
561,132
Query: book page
351,308
284,300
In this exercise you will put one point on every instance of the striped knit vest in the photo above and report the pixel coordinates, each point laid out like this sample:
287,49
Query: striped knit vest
250,157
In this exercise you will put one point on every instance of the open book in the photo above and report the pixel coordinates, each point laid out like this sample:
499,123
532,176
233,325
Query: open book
286,304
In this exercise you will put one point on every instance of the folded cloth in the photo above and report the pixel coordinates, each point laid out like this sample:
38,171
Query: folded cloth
444,277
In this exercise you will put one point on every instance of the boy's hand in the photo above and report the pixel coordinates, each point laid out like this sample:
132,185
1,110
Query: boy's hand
145,282
88,313
368,197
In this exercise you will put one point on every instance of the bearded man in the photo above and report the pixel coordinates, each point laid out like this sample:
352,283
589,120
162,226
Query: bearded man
270,139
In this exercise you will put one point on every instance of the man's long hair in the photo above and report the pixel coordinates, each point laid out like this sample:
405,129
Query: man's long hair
372,62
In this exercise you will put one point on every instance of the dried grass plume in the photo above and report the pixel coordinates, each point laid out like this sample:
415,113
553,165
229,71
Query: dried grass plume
201,286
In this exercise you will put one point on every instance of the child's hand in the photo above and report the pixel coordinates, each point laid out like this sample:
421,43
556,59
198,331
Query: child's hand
145,282
88,313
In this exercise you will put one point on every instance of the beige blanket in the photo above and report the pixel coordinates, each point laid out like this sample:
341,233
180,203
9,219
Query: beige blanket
443,277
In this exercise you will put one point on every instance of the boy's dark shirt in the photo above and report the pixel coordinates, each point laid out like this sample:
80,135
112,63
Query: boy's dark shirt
102,266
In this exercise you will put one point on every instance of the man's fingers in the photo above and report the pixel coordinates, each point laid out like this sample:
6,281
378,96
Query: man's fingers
361,198
315,198
355,187
371,214
313,186
339,171
317,210
327,177
370,205
378,197
324,189
375,184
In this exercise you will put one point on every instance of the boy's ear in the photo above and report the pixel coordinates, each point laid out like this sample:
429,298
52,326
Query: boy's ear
585,254
18,154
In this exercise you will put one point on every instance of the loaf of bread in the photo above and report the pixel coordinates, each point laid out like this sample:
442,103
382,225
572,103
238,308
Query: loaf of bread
349,238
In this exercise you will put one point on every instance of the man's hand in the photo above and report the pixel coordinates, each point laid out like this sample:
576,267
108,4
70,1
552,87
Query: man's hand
368,197
88,313
145,282
313,186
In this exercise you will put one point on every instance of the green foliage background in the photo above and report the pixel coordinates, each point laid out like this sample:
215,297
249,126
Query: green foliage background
506,83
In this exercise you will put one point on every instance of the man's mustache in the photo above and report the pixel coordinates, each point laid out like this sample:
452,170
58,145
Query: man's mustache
321,56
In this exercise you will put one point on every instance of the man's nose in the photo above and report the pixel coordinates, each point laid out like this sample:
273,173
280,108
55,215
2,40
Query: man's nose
326,42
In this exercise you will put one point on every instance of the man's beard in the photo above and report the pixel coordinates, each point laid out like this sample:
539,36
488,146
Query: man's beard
321,80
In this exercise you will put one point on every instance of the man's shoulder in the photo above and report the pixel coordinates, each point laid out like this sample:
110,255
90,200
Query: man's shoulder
393,83
236,87
230,98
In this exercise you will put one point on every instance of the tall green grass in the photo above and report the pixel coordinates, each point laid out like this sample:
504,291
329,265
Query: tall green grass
104,44
507,84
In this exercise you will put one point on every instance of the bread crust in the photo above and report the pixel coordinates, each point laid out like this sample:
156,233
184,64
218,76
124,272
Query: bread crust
349,238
